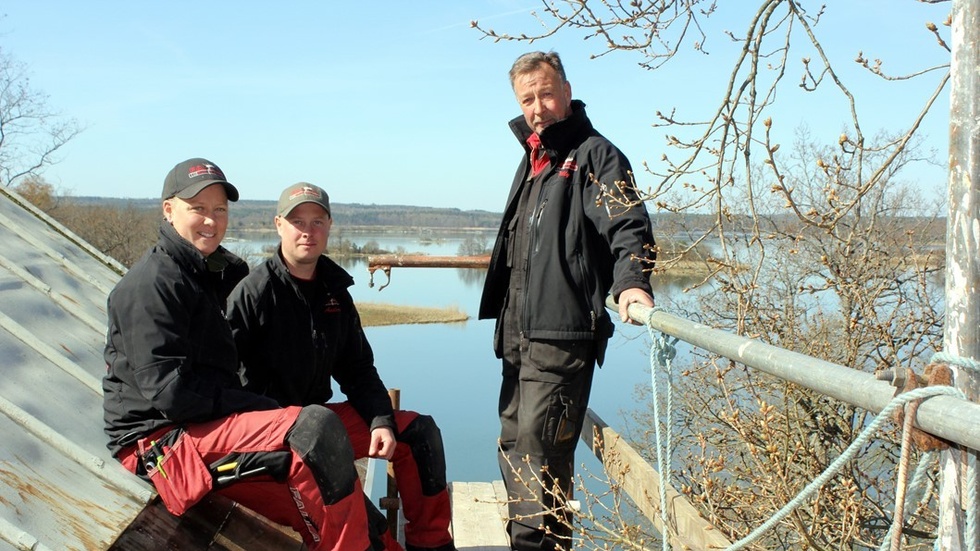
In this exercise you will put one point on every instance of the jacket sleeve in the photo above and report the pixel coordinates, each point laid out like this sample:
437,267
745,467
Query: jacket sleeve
180,378
359,379
626,229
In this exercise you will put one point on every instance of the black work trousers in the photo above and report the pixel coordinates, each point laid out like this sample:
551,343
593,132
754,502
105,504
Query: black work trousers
543,399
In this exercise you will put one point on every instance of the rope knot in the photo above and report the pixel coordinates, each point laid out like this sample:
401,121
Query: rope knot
906,380
664,350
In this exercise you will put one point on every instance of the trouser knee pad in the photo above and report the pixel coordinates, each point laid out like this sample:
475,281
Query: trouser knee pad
319,438
425,440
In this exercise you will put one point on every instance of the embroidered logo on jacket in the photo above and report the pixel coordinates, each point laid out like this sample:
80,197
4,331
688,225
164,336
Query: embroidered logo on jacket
567,168
331,306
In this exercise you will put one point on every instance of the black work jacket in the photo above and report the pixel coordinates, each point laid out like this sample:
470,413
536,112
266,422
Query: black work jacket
290,356
169,352
582,246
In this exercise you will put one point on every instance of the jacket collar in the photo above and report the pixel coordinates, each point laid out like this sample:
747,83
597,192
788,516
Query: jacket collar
180,249
559,137
328,272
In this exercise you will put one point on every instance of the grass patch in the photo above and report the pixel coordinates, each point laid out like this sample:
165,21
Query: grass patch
686,268
376,313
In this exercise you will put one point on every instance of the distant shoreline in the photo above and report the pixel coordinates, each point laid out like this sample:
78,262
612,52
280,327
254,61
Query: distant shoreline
257,215
399,230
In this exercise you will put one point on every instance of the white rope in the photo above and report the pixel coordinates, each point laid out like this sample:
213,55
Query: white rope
848,455
972,505
916,492
661,353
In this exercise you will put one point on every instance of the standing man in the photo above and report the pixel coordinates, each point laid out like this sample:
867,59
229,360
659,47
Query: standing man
175,410
296,326
563,245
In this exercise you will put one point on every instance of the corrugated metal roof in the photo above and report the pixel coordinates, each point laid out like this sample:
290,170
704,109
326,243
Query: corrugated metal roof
59,487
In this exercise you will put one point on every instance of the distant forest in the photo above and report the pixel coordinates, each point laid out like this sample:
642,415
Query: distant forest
125,228
255,215
250,215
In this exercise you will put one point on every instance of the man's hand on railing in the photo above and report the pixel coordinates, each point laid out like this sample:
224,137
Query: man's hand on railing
633,295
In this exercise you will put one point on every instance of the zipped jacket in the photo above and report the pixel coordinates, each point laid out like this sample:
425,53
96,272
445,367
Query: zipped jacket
290,355
169,352
583,246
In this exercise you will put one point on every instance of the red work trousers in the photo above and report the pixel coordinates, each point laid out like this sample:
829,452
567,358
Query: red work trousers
340,526
427,516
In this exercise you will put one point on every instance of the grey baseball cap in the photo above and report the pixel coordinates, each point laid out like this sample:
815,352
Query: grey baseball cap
188,178
300,193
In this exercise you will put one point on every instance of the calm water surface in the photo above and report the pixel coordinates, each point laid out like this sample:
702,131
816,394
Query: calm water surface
449,370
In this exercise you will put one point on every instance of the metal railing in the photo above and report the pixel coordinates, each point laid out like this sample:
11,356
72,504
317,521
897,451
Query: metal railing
951,418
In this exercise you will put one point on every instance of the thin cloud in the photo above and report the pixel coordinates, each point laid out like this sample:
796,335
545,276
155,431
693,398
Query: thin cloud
486,18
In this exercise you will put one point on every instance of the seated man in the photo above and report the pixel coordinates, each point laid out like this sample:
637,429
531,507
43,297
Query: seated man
296,326
175,409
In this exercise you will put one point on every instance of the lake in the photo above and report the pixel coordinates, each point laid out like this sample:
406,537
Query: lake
449,371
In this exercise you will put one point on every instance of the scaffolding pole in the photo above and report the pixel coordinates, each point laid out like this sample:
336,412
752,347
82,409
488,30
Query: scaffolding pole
962,332
947,417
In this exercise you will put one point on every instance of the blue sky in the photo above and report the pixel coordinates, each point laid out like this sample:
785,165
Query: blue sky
401,102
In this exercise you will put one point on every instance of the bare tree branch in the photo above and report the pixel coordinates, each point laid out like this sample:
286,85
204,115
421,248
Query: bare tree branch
31,134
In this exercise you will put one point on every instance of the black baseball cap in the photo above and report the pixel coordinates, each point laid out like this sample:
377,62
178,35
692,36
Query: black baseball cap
188,178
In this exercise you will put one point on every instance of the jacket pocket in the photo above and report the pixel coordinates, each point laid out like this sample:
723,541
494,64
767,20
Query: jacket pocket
585,285
508,246
177,472
560,357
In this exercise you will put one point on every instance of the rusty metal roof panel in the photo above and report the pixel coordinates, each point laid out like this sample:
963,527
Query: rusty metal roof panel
50,498
59,488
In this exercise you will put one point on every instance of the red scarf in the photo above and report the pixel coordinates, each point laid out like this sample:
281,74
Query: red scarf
539,157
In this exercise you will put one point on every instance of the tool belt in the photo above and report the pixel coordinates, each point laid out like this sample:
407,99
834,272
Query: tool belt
178,472
237,467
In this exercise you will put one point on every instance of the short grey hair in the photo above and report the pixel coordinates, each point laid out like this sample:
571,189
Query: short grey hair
530,61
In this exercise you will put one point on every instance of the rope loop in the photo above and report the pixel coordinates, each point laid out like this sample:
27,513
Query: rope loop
649,320
959,361
663,350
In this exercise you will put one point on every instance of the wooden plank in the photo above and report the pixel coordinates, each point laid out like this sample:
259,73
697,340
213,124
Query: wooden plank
479,510
500,491
216,524
246,530
477,521
642,483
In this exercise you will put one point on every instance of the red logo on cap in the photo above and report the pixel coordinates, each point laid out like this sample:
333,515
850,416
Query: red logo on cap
304,191
205,170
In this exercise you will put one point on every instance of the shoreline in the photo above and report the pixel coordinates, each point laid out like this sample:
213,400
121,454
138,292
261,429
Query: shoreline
376,314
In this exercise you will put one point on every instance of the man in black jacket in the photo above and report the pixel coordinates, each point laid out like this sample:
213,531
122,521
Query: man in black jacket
175,409
568,238
296,326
